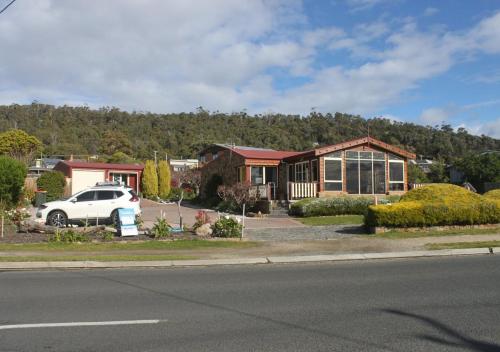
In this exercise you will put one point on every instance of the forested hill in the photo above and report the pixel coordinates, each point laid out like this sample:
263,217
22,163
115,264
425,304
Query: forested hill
80,130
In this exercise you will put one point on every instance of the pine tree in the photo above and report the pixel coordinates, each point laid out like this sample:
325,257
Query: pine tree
164,179
150,180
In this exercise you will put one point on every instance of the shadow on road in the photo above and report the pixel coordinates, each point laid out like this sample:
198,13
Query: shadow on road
455,338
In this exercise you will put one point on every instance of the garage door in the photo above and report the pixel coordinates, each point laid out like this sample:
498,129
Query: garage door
85,178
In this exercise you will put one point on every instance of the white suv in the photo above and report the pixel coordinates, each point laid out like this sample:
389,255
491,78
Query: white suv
92,205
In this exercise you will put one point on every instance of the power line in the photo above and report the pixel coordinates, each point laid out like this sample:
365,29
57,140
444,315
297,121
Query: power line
5,8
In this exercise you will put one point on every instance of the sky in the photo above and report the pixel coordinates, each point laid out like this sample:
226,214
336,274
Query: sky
428,62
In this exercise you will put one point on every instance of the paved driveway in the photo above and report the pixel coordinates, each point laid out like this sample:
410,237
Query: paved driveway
152,210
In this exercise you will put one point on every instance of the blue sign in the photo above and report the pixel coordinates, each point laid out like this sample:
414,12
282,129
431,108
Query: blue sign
127,222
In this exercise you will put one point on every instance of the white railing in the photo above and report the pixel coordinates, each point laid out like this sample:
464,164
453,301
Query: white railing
259,191
297,190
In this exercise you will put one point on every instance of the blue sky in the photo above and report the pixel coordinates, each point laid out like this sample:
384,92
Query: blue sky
429,62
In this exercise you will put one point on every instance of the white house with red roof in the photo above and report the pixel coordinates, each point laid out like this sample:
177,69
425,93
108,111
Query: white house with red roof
80,175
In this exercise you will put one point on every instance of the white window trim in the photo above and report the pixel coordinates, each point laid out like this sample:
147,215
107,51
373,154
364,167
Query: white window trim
400,162
341,171
303,172
263,174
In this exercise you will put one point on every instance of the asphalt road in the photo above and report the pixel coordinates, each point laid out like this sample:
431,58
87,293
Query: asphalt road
446,304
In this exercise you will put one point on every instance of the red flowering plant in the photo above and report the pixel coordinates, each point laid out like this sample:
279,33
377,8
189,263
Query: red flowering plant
201,218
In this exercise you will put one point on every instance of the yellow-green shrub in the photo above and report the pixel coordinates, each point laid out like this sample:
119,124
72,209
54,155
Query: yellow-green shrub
493,194
436,205
440,192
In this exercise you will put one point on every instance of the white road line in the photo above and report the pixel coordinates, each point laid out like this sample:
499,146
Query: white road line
81,323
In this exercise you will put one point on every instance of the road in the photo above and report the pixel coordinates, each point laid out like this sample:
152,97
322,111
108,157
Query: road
444,304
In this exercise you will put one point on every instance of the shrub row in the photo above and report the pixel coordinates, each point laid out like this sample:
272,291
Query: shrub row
331,206
436,205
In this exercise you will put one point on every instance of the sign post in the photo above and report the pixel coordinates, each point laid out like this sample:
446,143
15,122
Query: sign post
127,222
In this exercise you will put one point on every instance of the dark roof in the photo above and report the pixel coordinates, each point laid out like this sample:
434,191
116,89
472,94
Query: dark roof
101,166
264,154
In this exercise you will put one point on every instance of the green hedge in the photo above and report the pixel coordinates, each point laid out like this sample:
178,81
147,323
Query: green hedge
436,205
331,206
53,182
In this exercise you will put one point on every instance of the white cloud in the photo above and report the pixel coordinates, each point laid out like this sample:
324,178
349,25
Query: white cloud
359,5
491,128
430,11
433,116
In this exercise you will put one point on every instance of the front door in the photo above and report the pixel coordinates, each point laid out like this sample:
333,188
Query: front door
272,181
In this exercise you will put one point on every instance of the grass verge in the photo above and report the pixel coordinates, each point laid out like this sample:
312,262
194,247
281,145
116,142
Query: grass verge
423,233
332,220
118,246
461,245
100,258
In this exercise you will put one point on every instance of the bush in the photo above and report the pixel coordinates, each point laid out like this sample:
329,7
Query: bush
161,229
436,205
331,206
53,182
201,218
227,227
164,179
150,180
68,236
493,194
12,175
440,193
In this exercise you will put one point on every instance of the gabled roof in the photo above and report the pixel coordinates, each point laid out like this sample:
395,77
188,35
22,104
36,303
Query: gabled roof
364,140
102,166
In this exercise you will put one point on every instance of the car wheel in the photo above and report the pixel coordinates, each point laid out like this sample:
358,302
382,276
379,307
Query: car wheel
57,219
115,219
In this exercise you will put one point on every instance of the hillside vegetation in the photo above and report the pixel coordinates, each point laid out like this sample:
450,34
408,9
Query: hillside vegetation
81,130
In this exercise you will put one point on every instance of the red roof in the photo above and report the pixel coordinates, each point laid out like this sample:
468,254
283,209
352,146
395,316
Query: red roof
102,166
264,154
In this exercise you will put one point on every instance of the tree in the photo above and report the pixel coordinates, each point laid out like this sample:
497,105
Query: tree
115,141
479,169
19,145
239,194
189,177
164,179
150,180
53,183
438,173
12,175
120,158
416,175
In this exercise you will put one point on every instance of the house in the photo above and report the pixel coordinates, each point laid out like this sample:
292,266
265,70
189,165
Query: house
183,164
42,165
364,166
424,164
80,175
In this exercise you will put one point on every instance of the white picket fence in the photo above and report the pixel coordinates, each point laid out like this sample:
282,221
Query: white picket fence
297,190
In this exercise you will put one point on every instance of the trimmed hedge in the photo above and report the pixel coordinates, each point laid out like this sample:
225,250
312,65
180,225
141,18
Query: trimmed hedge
436,205
331,206
53,182
493,194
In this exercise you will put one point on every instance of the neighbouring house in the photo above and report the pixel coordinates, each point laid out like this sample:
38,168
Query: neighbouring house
183,164
423,164
80,175
364,166
42,165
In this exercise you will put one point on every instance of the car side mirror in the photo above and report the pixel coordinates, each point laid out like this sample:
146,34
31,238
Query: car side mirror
73,200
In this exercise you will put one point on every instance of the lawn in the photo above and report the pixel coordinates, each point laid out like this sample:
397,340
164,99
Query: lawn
423,233
461,245
101,258
332,220
122,246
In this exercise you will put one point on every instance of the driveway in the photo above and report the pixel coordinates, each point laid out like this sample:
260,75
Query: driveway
152,210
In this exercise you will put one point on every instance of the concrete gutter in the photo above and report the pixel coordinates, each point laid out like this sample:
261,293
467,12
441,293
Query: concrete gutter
243,261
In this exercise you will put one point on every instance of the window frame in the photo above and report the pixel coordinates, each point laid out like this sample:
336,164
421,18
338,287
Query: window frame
396,161
303,172
341,181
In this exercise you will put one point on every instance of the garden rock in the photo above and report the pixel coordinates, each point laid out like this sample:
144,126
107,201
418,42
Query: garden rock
204,230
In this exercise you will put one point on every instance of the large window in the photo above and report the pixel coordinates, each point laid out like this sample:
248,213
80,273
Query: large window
333,172
257,174
365,172
302,172
314,170
396,173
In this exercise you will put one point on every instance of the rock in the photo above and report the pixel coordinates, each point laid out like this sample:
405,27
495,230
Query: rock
251,214
204,230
